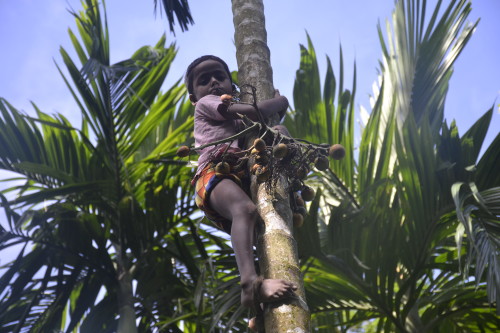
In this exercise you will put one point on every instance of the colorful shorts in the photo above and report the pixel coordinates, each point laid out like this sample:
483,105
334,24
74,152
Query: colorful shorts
204,184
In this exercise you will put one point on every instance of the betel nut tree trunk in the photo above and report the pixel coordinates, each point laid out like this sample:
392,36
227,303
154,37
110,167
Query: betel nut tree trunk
276,247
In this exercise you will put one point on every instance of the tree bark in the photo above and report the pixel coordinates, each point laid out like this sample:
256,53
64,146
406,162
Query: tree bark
127,318
276,247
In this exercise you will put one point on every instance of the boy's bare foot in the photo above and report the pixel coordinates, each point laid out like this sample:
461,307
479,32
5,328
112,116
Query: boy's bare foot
269,290
253,325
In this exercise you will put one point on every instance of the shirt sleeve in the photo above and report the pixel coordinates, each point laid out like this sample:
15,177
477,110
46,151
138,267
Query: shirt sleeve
211,107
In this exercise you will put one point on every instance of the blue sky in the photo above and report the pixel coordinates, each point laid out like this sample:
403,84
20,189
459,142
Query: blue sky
31,33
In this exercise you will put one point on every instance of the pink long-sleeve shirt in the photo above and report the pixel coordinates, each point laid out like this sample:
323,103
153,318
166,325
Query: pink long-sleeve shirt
210,125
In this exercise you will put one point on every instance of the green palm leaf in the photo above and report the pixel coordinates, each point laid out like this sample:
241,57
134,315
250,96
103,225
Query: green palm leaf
98,204
179,9
387,224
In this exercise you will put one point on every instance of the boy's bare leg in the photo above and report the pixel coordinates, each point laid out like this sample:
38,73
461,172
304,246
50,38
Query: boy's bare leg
231,202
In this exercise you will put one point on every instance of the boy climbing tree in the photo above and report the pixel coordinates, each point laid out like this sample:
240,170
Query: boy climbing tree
222,182
276,247
219,188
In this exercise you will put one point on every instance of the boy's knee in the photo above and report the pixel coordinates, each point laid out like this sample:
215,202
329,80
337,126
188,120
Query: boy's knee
248,208
281,129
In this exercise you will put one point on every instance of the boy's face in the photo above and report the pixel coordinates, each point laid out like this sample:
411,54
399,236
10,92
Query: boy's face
210,78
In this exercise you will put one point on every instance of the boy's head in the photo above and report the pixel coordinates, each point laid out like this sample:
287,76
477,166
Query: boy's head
208,75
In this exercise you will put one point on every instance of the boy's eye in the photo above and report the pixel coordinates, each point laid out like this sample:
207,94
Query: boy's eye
203,80
220,76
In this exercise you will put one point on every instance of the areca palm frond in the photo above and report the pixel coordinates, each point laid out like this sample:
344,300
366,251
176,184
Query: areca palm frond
179,9
327,117
479,214
418,58
98,207
383,227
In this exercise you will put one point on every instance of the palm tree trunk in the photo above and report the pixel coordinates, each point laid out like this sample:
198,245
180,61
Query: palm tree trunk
126,321
276,246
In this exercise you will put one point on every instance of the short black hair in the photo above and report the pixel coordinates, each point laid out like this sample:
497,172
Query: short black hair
188,79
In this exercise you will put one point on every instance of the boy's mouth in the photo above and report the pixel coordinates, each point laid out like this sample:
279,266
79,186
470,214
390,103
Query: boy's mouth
217,91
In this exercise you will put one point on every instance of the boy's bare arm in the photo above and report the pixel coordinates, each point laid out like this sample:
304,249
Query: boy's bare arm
278,104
